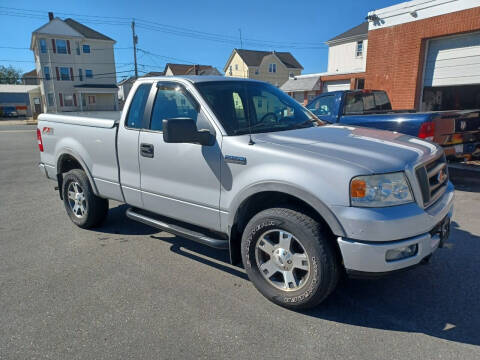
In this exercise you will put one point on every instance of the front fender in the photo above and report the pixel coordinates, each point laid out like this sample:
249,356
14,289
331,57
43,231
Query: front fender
290,189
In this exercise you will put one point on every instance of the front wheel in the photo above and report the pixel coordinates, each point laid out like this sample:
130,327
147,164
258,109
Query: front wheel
83,207
289,259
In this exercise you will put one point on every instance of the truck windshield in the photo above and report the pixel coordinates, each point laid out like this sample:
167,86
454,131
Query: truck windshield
243,106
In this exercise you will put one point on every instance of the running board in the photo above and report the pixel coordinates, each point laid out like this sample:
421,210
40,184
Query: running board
177,229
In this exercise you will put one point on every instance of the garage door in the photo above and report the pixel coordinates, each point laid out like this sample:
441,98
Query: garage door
336,85
452,73
453,60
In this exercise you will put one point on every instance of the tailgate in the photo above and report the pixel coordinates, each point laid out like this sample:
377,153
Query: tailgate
458,131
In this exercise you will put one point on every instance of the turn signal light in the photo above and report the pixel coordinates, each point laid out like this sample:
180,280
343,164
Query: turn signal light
39,140
358,188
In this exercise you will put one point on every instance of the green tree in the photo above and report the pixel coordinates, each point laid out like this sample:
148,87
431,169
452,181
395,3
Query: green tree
10,75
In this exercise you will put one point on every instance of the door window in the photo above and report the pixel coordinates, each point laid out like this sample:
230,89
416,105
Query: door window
323,106
172,101
137,107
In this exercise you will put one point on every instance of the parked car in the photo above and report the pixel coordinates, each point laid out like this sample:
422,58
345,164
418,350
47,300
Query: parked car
458,132
9,111
239,165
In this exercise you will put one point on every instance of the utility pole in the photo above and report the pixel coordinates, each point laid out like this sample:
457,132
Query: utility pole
135,41
241,41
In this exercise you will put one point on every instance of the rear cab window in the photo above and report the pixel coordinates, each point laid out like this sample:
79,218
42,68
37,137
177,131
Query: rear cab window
136,110
361,102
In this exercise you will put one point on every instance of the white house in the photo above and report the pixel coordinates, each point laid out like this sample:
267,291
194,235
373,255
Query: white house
347,60
76,67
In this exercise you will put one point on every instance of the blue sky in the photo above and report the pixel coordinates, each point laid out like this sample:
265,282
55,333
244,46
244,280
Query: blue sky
175,30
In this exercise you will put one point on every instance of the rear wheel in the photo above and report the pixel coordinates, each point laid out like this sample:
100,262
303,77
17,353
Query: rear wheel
289,259
83,207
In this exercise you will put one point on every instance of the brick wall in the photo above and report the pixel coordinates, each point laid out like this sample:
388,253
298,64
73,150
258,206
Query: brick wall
396,54
352,77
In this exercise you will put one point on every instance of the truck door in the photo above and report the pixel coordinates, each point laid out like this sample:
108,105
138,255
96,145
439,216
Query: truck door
181,181
127,145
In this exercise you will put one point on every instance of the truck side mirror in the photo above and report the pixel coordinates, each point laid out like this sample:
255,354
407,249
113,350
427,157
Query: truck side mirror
184,130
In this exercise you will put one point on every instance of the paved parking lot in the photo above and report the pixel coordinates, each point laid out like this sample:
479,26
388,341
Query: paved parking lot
128,291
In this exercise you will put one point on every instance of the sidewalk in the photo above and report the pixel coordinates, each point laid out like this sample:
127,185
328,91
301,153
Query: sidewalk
18,122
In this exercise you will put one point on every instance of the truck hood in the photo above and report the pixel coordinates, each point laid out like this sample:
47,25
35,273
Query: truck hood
374,150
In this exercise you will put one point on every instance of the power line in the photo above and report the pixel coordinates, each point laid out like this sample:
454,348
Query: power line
174,30
67,63
166,57
50,50
52,77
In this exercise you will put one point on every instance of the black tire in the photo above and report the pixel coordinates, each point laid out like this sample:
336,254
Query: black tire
96,208
324,265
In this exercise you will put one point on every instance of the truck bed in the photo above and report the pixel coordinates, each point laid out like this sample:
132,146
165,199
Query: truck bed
87,136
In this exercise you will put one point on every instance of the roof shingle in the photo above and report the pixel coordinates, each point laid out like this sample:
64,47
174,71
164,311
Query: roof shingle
255,57
361,29
86,31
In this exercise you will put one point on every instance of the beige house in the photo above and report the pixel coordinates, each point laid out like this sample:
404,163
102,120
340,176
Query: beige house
270,66
189,69
76,67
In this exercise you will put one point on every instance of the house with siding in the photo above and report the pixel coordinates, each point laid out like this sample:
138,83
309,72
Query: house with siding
270,66
75,65
189,69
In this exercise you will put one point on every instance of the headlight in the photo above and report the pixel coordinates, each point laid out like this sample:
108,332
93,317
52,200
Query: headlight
380,190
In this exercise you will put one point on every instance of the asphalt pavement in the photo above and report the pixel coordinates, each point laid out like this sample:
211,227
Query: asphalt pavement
127,291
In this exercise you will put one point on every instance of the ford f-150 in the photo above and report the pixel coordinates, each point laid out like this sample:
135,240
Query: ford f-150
237,164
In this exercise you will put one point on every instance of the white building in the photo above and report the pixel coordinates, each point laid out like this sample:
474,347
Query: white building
76,67
347,60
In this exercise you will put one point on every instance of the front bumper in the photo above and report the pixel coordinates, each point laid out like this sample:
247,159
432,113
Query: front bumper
372,232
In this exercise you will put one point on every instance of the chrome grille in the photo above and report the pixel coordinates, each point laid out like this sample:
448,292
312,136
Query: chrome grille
433,179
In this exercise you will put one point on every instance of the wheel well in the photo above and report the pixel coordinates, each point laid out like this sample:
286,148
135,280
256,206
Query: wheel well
66,162
266,200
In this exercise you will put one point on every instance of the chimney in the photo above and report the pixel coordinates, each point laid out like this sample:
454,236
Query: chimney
50,16
195,69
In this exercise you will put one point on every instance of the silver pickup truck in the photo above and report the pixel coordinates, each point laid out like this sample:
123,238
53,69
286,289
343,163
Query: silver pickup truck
239,165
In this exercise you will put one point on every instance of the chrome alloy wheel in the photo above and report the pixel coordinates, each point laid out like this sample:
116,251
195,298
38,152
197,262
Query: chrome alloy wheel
76,199
282,260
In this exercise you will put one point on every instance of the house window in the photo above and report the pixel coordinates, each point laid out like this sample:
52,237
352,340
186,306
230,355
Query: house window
272,68
65,73
43,46
50,100
360,83
80,74
91,99
236,66
359,49
68,100
61,46
257,71
88,74
77,47
230,70
86,49
46,72
291,74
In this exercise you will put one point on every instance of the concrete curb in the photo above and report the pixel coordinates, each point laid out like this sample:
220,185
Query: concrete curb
18,122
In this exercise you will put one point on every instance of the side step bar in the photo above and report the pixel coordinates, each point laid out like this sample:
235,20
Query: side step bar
177,230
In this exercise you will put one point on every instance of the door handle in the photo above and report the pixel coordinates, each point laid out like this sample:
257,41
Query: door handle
147,150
